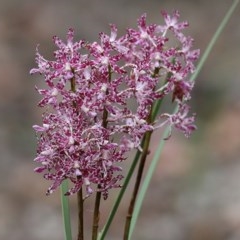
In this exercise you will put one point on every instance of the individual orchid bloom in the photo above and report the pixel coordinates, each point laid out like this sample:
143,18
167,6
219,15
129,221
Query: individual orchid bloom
172,23
180,120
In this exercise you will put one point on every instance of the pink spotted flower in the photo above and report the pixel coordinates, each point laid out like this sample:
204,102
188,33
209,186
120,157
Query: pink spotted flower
99,98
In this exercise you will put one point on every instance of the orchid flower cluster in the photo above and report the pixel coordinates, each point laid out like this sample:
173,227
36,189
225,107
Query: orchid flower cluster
99,98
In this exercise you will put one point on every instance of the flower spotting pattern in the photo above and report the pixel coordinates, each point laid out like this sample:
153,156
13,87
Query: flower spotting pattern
99,98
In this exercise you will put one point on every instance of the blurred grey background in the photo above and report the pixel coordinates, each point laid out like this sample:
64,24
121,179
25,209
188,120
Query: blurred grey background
195,192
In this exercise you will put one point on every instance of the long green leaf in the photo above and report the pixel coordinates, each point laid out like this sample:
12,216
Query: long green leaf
65,211
155,160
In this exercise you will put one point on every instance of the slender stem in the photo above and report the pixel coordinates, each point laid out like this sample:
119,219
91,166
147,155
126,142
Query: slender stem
146,181
80,215
146,142
143,158
96,216
137,184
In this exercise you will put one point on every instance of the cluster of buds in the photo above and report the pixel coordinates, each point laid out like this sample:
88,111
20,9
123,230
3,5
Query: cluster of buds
99,99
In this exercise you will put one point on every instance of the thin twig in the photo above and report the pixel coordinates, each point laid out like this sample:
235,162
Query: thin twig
80,215
96,216
143,158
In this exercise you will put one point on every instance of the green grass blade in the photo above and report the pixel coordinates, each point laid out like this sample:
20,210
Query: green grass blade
65,211
156,108
214,39
156,157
